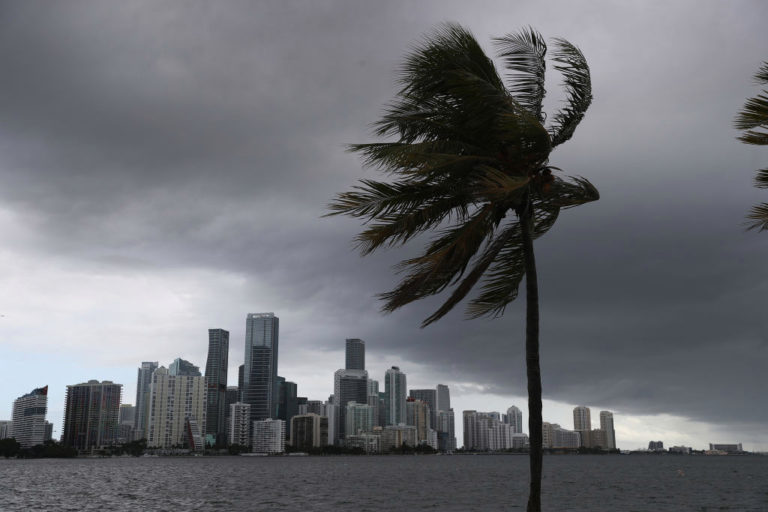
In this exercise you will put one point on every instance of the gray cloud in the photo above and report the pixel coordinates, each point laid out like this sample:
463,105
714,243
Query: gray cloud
211,136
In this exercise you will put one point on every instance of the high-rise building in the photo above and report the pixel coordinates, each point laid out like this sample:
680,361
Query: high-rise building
309,431
373,400
29,417
183,368
429,397
331,411
417,413
239,424
554,436
395,436
91,413
216,379
395,387
348,386
443,398
268,436
358,418
582,423
6,427
606,424
240,379
355,354
173,399
127,414
514,417
287,403
143,383
260,372
48,431
446,431
232,397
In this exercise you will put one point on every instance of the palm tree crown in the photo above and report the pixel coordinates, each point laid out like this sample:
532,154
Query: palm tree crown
469,149
753,120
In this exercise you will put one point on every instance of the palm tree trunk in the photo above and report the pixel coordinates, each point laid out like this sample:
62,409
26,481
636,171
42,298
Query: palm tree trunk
532,358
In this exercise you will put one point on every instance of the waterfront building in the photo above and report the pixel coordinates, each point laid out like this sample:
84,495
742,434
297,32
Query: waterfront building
260,372
268,436
728,448
446,434
429,397
216,381
348,386
355,354
194,435
395,387
239,424
417,413
514,417
684,450
173,399
331,411
478,429
598,439
48,431
606,424
29,425
91,415
554,436
369,442
143,383
358,418
6,427
231,397
655,446
582,423
443,398
309,431
287,403
183,368
395,436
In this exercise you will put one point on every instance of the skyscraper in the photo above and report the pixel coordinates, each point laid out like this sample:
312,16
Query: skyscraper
216,381
91,413
348,386
182,367
287,402
443,398
418,415
606,425
582,423
514,417
446,434
394,395
143,383
29,418
355,354
260,371
429,397
174,399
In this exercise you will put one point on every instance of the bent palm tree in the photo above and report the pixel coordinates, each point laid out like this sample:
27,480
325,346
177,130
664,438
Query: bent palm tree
468,152
753,119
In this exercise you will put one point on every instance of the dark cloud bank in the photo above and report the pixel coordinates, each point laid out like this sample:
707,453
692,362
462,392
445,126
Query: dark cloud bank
211,136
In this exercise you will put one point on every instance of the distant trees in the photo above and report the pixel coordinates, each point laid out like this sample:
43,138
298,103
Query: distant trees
753,120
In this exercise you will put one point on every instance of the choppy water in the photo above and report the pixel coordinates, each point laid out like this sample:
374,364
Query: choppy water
445,483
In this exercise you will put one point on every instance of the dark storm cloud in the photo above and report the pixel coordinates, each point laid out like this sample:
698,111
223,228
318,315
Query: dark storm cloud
155,136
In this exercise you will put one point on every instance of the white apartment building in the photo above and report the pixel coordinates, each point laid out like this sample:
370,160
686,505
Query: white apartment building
173,399
268,436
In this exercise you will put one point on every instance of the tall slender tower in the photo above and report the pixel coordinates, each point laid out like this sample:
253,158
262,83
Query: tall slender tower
216,381
606,425
394,395
443,398
260,372
582,423
515,418
143,384
355,353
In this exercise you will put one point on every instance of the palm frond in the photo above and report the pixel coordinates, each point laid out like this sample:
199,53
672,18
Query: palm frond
569,192
578,89
761,77
753,115
523,54
761,180
758,217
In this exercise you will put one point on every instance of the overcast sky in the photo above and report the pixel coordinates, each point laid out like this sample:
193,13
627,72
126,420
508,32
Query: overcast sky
164,167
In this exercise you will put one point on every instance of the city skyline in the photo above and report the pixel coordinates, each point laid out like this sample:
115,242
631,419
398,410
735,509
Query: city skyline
151,191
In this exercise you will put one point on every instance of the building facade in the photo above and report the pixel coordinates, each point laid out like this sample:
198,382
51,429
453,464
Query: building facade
429,397
29,423
91,414
446,431
268,436
309,431
183,368
216,380
606,424
582,423
395,388
359,418
173,399
514,417
239,432
443,398
260,370
348,386
417,414
355,354
143,384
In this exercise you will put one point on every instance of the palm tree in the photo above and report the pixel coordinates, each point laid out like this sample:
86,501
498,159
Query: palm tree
753,119
468,156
